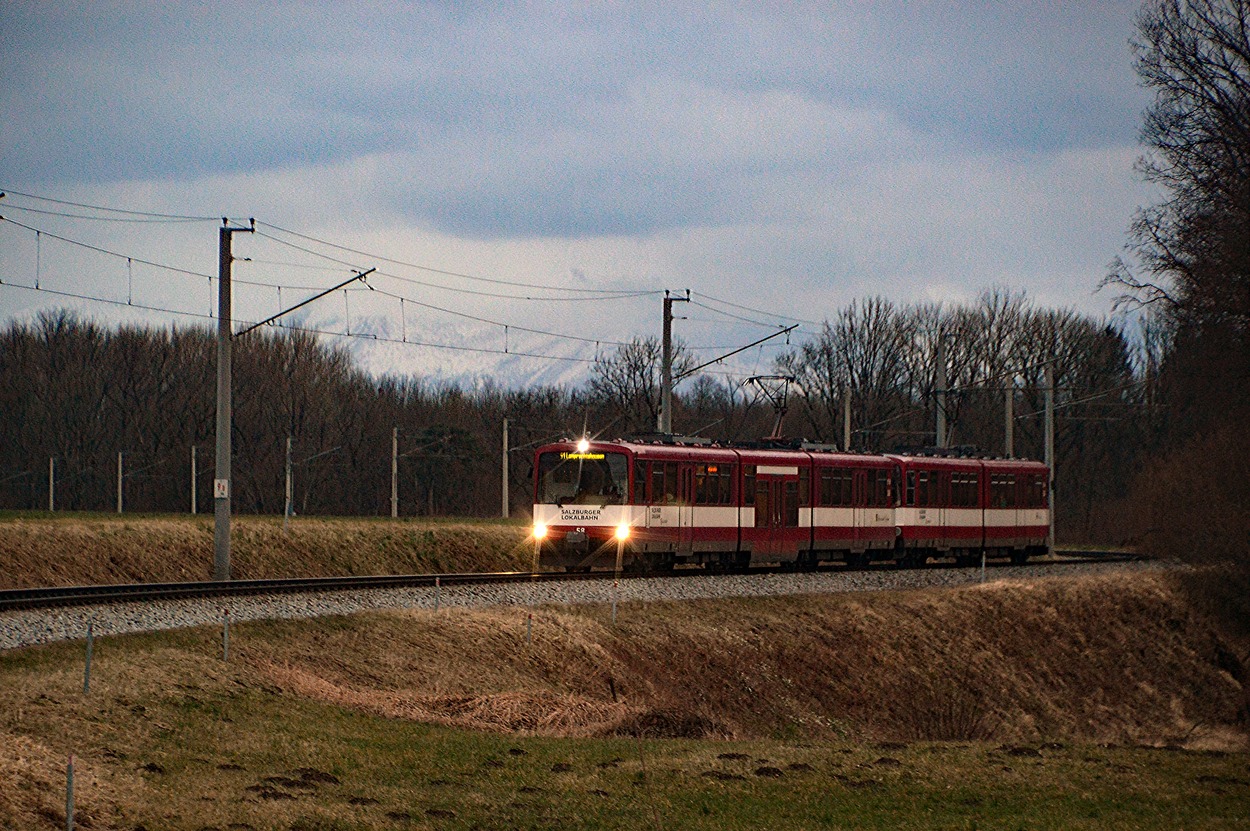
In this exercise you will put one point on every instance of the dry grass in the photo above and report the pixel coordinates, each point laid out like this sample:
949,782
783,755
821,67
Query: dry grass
78,550
171,732
1113,659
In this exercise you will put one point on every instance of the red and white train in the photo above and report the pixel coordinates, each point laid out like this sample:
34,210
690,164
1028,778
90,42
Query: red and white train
672,502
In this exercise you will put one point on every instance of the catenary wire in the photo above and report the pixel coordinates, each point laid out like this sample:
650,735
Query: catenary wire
620,295
304,288
445,272
100,250
294,328
63,214
757,311
175,217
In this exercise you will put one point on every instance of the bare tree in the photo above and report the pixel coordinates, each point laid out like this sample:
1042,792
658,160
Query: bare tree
1194,248
629,380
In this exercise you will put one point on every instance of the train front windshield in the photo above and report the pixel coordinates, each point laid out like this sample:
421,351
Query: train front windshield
569,477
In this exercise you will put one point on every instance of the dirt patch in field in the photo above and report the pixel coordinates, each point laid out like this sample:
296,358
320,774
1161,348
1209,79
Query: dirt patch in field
81,551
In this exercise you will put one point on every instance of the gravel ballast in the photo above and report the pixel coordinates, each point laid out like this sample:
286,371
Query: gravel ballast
32,627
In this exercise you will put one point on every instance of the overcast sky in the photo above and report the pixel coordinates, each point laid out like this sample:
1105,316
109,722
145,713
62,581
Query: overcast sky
788,158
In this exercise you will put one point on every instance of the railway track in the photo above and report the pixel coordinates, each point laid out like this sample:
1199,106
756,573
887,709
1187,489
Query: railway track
65,596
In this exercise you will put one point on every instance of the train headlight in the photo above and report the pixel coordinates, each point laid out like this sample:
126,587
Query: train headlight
583,445
622,532
540,531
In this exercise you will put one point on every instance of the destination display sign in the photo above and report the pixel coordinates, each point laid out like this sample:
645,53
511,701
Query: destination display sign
588,457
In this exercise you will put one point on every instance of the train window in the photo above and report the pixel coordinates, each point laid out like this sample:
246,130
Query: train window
881,489
640,482
748,484
713,484
835,487
1035,493
911,488
922,489
1002,490
790,505
963,490
583,478
805,486
664,483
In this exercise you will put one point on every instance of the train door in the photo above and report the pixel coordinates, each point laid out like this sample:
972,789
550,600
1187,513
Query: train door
859,498
789,534
685,507
762,548
777,529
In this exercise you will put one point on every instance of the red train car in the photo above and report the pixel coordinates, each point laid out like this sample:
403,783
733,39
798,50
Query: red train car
963,507
681,503
667,503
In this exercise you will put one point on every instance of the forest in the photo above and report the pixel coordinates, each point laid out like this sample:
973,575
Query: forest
78,394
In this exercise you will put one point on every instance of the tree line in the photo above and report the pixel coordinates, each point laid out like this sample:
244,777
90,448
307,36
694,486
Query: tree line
79,393
1188,259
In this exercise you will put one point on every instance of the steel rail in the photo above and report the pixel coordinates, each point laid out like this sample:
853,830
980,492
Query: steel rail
146,592
60,596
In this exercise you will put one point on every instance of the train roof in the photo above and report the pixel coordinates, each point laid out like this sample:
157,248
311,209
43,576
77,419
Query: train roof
679,448
965,462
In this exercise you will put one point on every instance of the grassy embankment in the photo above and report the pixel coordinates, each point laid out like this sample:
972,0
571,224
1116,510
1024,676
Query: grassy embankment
1098,702
41,549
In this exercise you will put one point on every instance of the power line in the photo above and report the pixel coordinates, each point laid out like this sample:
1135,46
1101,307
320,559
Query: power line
173,217
582,294
65,215
734,316
597,341
100,250
303,329
447,273
302,288
756,311
604,295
